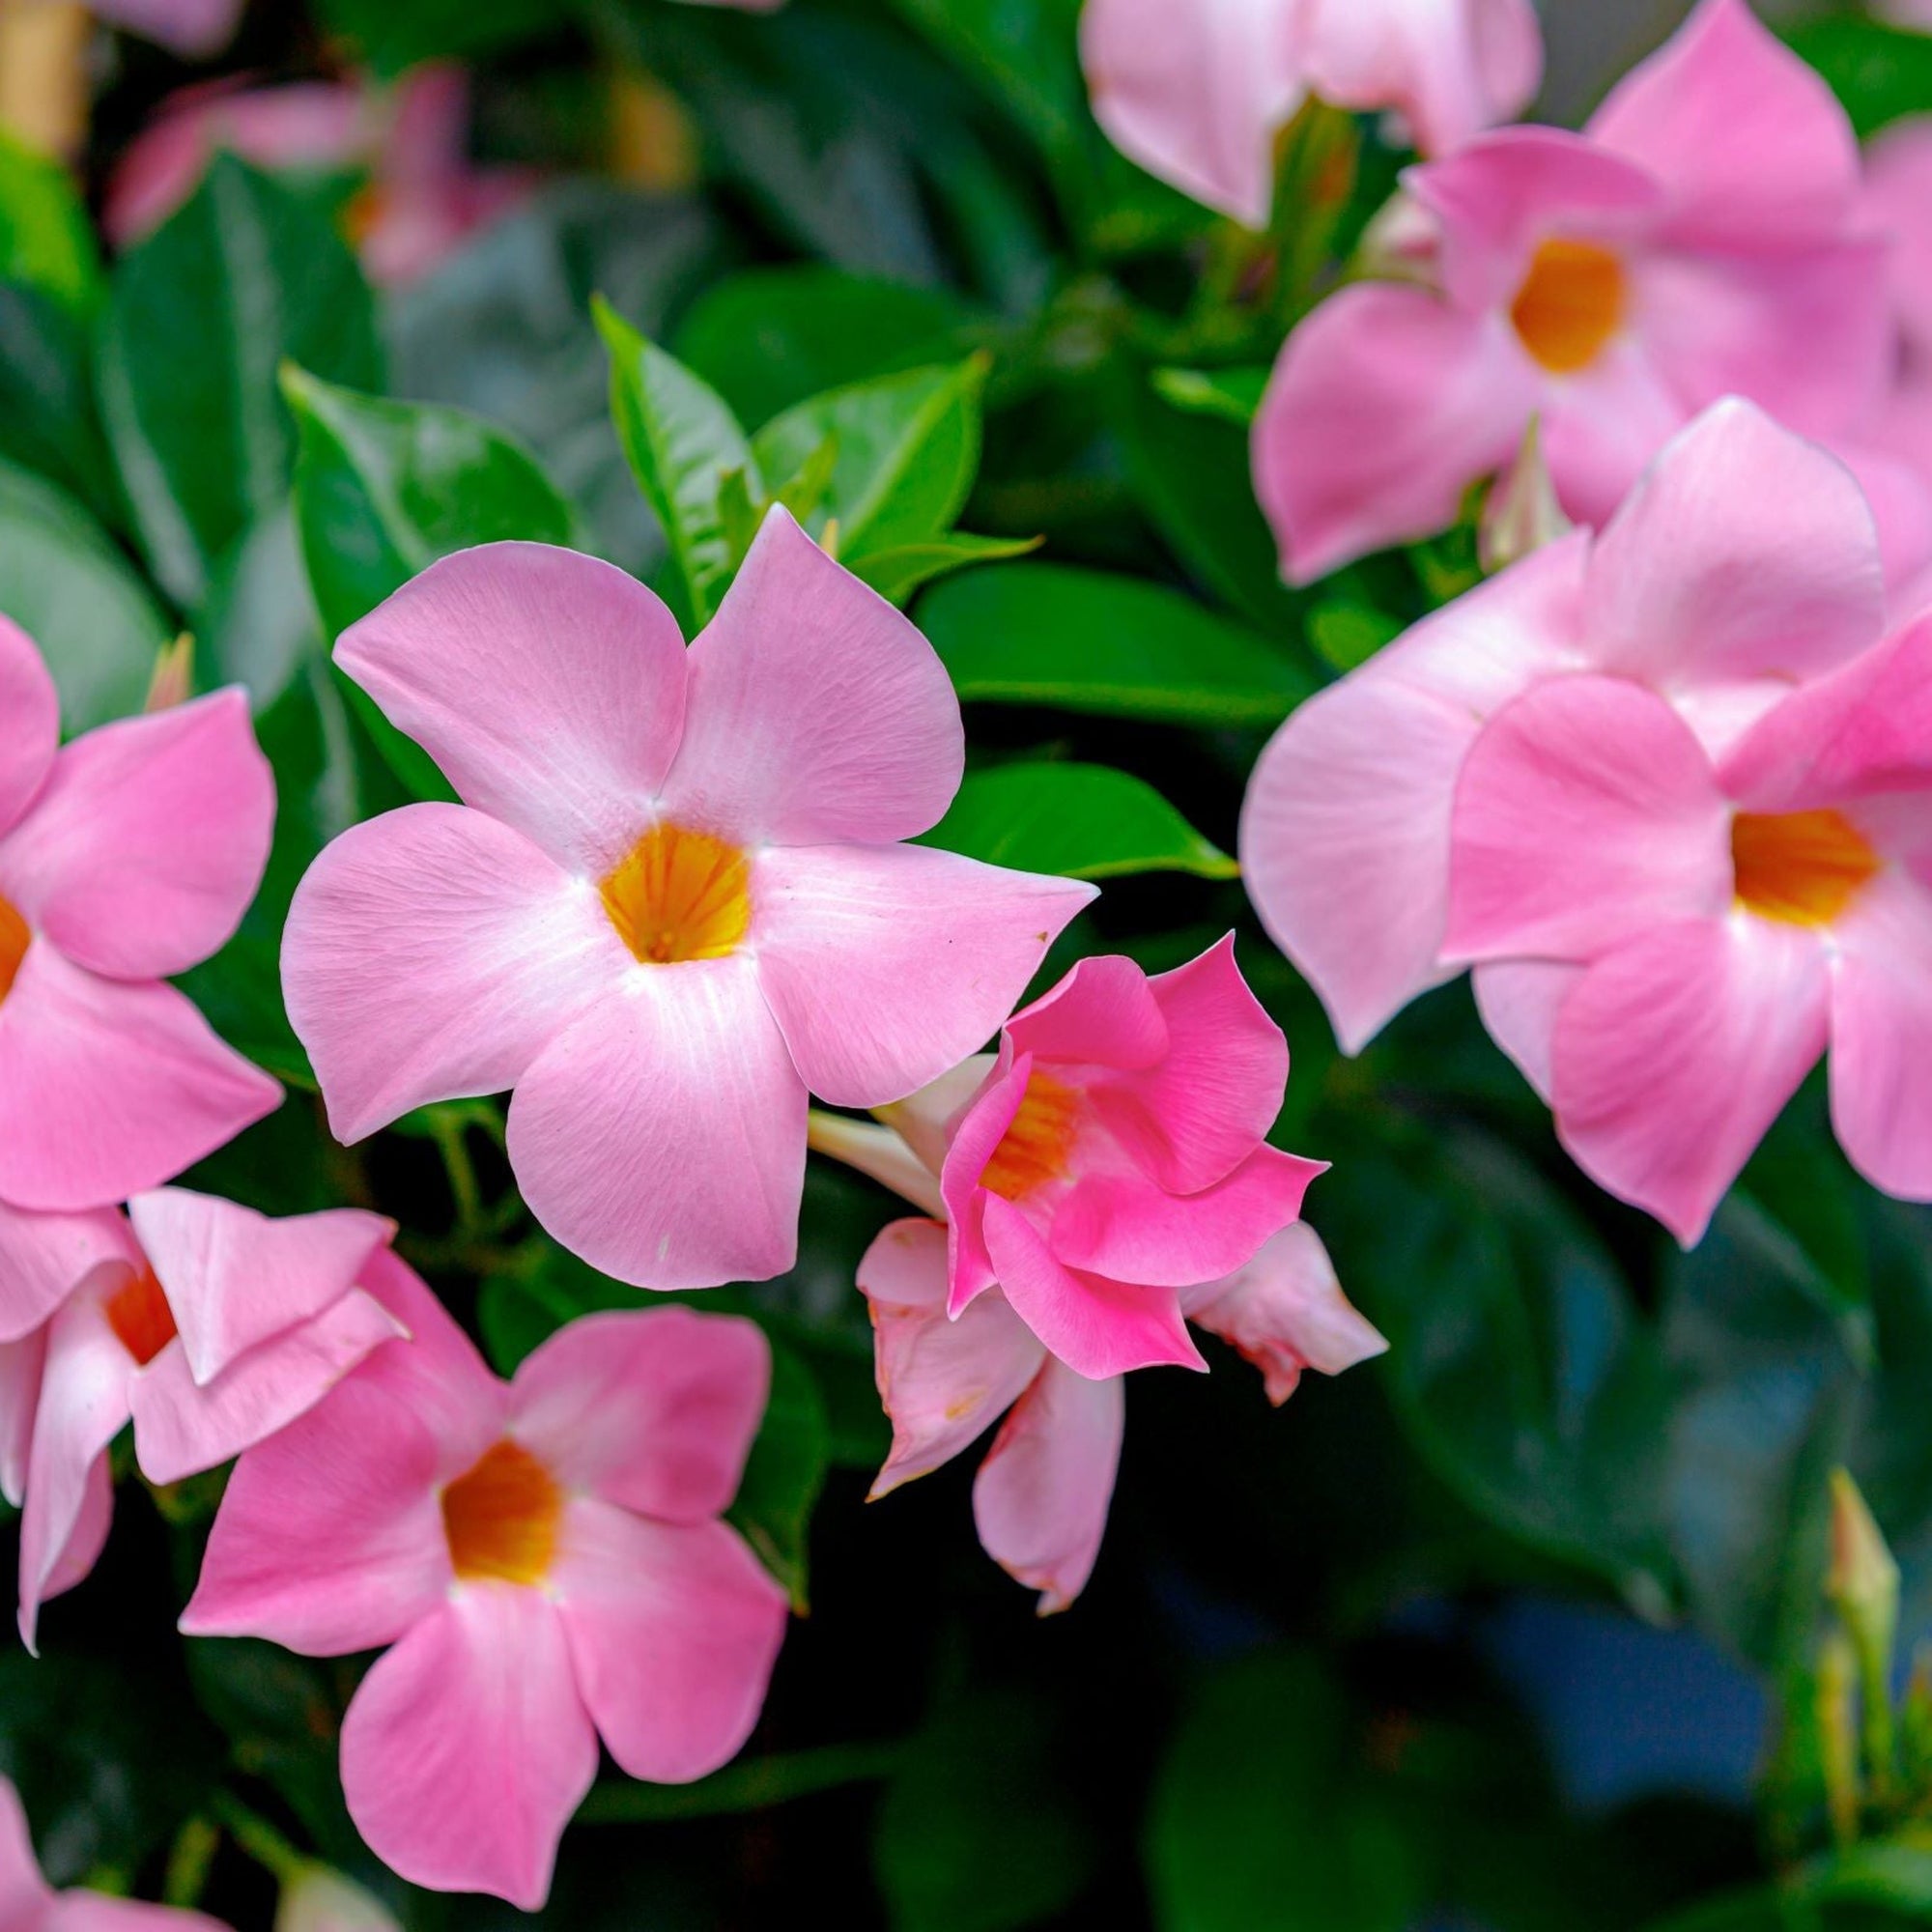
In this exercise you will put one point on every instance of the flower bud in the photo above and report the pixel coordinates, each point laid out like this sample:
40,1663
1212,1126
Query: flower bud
320,1900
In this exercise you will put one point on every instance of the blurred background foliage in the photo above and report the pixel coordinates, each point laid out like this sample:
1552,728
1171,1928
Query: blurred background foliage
1519,1628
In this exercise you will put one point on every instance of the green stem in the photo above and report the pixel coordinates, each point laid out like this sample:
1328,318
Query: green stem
449,1131
750,1785
261,1840
189,1860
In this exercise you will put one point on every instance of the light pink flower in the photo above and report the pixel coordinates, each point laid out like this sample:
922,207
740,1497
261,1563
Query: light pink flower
126,857
1900,181
1666,791
675,900
205,1324
194,29
424,197
1040,1497
1707,234
29,1904
545,1559
1196,90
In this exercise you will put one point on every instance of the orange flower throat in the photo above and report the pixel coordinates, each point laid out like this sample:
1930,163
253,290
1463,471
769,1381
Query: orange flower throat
1799,868
501,1518
680,895
1034,1149
14,938
139,1314
1570,303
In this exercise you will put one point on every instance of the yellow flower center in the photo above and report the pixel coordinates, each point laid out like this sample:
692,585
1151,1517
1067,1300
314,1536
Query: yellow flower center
1802,868
501,1518
1034,1148
680,895
14,938
1570,303
139,1314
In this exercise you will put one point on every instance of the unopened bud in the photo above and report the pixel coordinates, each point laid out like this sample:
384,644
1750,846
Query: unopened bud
320,1900
1863,1581
173,680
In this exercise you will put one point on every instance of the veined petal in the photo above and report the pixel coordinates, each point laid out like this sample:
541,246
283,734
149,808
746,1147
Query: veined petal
1104,1012
1519,1000
44,1258
29,722
20,1365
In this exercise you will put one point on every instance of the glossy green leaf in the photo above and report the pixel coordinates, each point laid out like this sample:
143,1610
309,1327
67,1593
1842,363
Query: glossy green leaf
1115,646
48,422
897,574
1233,395
63,582
682,441
393,38
46,242
1879,73
200,318
784,1474
1083,821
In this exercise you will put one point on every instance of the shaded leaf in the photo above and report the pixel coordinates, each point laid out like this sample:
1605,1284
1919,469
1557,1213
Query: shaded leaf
897,574
784,1474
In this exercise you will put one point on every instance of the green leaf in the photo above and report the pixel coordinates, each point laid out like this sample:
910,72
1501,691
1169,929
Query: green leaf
393,38
63,582
1112,646
1346,636
1232,396
682,441
1082,821
905,451
895,574
201,316
750,1784
47,416
46,242
1879,73
784,1474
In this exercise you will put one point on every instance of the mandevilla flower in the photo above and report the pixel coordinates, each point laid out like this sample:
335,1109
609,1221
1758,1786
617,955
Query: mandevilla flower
126,857
675,900
545,1558
29,1904
1667,794
1609,285
206,1323
1900,181
1196,90
1041,1498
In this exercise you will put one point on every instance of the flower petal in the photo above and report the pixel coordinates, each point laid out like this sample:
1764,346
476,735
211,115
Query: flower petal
20,1365
548,685
673,1630
433,955
886,965
1602,427
24,1892
146,844
1518,1000
653,1410
1585,811
108,1089
44,1258
661,1138
818,713
942,1382
467,1747
1103,1011
1041,1498
29,722
1675,1053
976,1134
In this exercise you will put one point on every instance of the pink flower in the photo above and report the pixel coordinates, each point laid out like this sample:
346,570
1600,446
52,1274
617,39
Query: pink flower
126,857
1040,1497
675,900
1196,90
423,200
205,1324
1900,181
29,1904
1667,794
194,29
1705,235
545,1558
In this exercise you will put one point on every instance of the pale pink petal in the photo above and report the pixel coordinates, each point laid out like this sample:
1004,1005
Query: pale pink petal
1585,811
88,1537
82,1911
1518,1000
926,1119
1385,406
817,713
432,953
1746,555
1749,139
24,1892
661,1138
1601,427
654,1411
43,1258
1881,1035
550,687
147,842
20,1365
1041,1498
673,1630
1194,94
1122,1226
108,1089
467,1747
233,1278
1097,1326
942,1382
182,1427
1898,190
1676,1053
1345,834
29,722
885,965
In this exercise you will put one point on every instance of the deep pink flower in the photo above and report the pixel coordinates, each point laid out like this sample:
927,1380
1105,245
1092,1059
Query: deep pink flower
1196,90
1668,794
205,1324
126,857
1040,1497
424,197
545,1557
675,900
1707,234
29,1904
